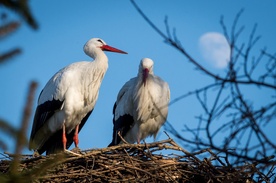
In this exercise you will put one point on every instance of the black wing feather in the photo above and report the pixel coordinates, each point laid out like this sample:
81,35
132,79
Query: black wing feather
123,124
43,113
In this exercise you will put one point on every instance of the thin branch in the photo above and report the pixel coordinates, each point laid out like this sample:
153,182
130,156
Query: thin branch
21,138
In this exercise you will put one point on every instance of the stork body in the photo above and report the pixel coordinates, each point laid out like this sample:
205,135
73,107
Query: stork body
141,107
68,99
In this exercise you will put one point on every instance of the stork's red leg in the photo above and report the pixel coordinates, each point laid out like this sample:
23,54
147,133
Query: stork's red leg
64,139
76,136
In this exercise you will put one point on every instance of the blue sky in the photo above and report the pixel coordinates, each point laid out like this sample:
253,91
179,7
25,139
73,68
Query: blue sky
64,27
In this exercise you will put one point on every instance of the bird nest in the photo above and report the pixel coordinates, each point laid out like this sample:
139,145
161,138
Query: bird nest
132,163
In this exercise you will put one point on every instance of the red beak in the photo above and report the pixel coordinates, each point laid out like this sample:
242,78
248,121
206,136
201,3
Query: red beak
109,48
145,75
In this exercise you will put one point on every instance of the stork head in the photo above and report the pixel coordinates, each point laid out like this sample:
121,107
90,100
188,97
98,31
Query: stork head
146,68
96,45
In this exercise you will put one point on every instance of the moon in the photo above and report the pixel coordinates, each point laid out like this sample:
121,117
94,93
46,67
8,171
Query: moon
215,49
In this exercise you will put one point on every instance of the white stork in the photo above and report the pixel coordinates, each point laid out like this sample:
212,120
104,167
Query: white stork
68,99
141,107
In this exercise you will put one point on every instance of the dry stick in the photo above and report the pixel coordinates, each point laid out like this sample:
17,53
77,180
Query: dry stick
131,161
124,146
160,167
184,151
21,138
216,157
122,139
139,169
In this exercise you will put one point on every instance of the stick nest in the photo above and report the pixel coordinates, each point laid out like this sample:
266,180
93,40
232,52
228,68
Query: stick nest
133,163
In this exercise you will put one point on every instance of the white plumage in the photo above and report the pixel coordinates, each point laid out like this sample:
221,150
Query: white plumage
141,107
68,99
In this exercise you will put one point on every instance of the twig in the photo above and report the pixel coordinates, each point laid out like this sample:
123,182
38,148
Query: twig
21,138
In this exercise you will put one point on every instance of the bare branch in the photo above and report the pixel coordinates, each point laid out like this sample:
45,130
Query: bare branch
230,112
21,137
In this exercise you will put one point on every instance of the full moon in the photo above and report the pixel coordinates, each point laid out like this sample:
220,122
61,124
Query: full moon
215,49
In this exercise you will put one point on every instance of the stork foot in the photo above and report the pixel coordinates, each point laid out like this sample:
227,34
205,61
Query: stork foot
71,153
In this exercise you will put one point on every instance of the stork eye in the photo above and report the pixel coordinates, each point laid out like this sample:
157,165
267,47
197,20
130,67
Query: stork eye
100,41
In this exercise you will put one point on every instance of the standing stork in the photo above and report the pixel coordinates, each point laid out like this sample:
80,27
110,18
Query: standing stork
141,107
68,99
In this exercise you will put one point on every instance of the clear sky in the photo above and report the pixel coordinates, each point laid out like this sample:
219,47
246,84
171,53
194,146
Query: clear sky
65,26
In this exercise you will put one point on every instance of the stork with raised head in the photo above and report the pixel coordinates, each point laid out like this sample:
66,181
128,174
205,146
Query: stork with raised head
141,107
68,99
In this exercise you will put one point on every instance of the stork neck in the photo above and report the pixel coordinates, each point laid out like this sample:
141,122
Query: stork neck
101,60
100,57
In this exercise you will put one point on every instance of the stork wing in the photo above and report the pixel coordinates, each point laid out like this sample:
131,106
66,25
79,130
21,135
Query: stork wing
163,101
122,125
122,112
42,114
50,100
